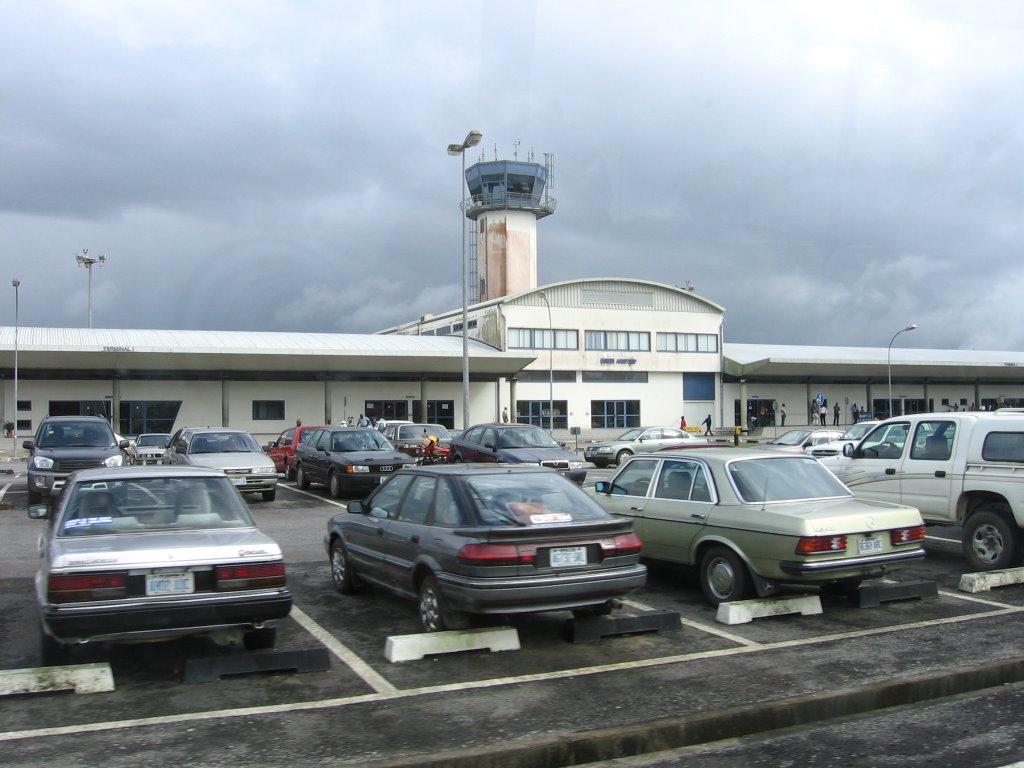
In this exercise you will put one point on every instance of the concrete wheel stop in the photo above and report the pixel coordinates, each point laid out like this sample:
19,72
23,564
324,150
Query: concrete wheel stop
873,595
209,669
593,628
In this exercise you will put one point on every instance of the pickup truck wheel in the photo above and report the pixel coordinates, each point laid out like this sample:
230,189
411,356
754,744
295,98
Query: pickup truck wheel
723,576
991,542
300,478
289,472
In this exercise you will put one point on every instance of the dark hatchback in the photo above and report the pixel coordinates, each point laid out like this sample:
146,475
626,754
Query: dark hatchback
347,460
517,444
485,539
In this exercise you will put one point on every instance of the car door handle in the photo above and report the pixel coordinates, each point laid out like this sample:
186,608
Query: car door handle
940,473
890,471
697,516
636,509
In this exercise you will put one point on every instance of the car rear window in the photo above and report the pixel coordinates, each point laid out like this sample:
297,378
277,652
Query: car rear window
139,505
533,499
1003,446
758,480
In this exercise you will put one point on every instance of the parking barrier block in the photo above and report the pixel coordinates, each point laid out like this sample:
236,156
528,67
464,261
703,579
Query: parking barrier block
983,582
597,627
209,669
744,611
81,678
415,647
873,595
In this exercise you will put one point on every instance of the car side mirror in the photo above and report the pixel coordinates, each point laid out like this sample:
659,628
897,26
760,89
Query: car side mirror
123,445
39,511
848,449
28,444
356,508
268,446
603,486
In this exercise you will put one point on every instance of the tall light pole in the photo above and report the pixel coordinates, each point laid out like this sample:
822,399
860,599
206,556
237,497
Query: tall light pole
87,261
888,359
551,368
472,139
15,282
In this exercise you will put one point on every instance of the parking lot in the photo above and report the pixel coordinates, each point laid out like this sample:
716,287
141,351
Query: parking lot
365,708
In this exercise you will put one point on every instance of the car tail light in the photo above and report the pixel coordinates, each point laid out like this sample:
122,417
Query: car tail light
78,587
250,576
626,544
816,545
497,554
899,536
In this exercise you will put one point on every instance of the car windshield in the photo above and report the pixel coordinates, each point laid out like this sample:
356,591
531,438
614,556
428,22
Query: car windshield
793,437
359,440
419,431
857,431
160,441
138,505
224,442
785,479
76,434
542,498
530,437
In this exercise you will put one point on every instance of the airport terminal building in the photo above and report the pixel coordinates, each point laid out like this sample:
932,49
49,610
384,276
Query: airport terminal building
588,357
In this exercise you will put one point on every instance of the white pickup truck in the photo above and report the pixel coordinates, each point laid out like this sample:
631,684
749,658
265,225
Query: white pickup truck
957,468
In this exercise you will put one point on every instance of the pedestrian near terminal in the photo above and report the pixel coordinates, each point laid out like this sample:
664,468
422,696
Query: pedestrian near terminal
504,415
363,421
782,414
822,414
835,415
854,414
707,425
682,422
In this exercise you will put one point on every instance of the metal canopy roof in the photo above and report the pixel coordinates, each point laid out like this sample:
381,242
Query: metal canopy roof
761,362
126,351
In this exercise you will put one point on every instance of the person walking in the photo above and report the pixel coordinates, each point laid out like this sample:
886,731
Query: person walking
682,422
835,415
822,414
854,414
707,425
504,415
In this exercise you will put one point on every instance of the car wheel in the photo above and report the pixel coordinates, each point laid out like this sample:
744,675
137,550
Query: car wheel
991,541
269,495
723,576
300,478
334,485
342,573
435,615
289,471
259,639
621,456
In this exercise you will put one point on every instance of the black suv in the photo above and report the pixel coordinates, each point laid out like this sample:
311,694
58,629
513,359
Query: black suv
65,443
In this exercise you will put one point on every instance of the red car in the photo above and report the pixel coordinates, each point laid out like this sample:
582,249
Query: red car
282,450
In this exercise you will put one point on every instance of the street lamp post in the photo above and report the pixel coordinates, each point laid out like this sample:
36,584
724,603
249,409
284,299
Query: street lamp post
472,139
888,360
15,282
551,367
87,261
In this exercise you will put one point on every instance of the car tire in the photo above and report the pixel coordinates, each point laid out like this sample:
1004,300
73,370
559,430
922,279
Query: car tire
342,573
300,478
269,495
621,456
435,615
334,486
991,541
289,471
723,576
260,639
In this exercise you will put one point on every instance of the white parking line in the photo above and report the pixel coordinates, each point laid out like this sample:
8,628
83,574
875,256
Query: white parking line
317,496
739,640
940,538
3,491
351,660
272,709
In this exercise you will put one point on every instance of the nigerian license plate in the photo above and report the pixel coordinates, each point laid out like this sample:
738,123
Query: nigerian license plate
562,556
170,583
869,546
238,480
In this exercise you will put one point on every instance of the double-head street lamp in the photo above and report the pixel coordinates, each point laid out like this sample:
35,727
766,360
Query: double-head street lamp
472,139
551,368
87,261
15,282
888,359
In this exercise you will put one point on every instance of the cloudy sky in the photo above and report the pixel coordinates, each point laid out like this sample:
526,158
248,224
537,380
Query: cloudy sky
827,171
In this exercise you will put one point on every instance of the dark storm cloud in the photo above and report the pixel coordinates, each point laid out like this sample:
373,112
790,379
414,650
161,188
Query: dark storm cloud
829,172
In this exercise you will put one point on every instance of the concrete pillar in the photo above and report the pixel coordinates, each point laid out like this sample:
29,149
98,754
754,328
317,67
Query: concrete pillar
512,400
225,407
115,404
328,403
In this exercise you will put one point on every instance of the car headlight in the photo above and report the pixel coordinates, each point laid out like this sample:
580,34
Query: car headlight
603,449
113,461
357,468
575,465
264,470
41,462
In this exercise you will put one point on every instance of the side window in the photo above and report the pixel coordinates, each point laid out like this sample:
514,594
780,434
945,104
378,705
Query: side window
286,437
676,480
446,508
885,441
473,436
416,507
701,486
385,501
635,477
1003,446
488,437
933,441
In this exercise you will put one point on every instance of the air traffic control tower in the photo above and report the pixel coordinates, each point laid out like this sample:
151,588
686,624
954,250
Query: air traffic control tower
506,199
